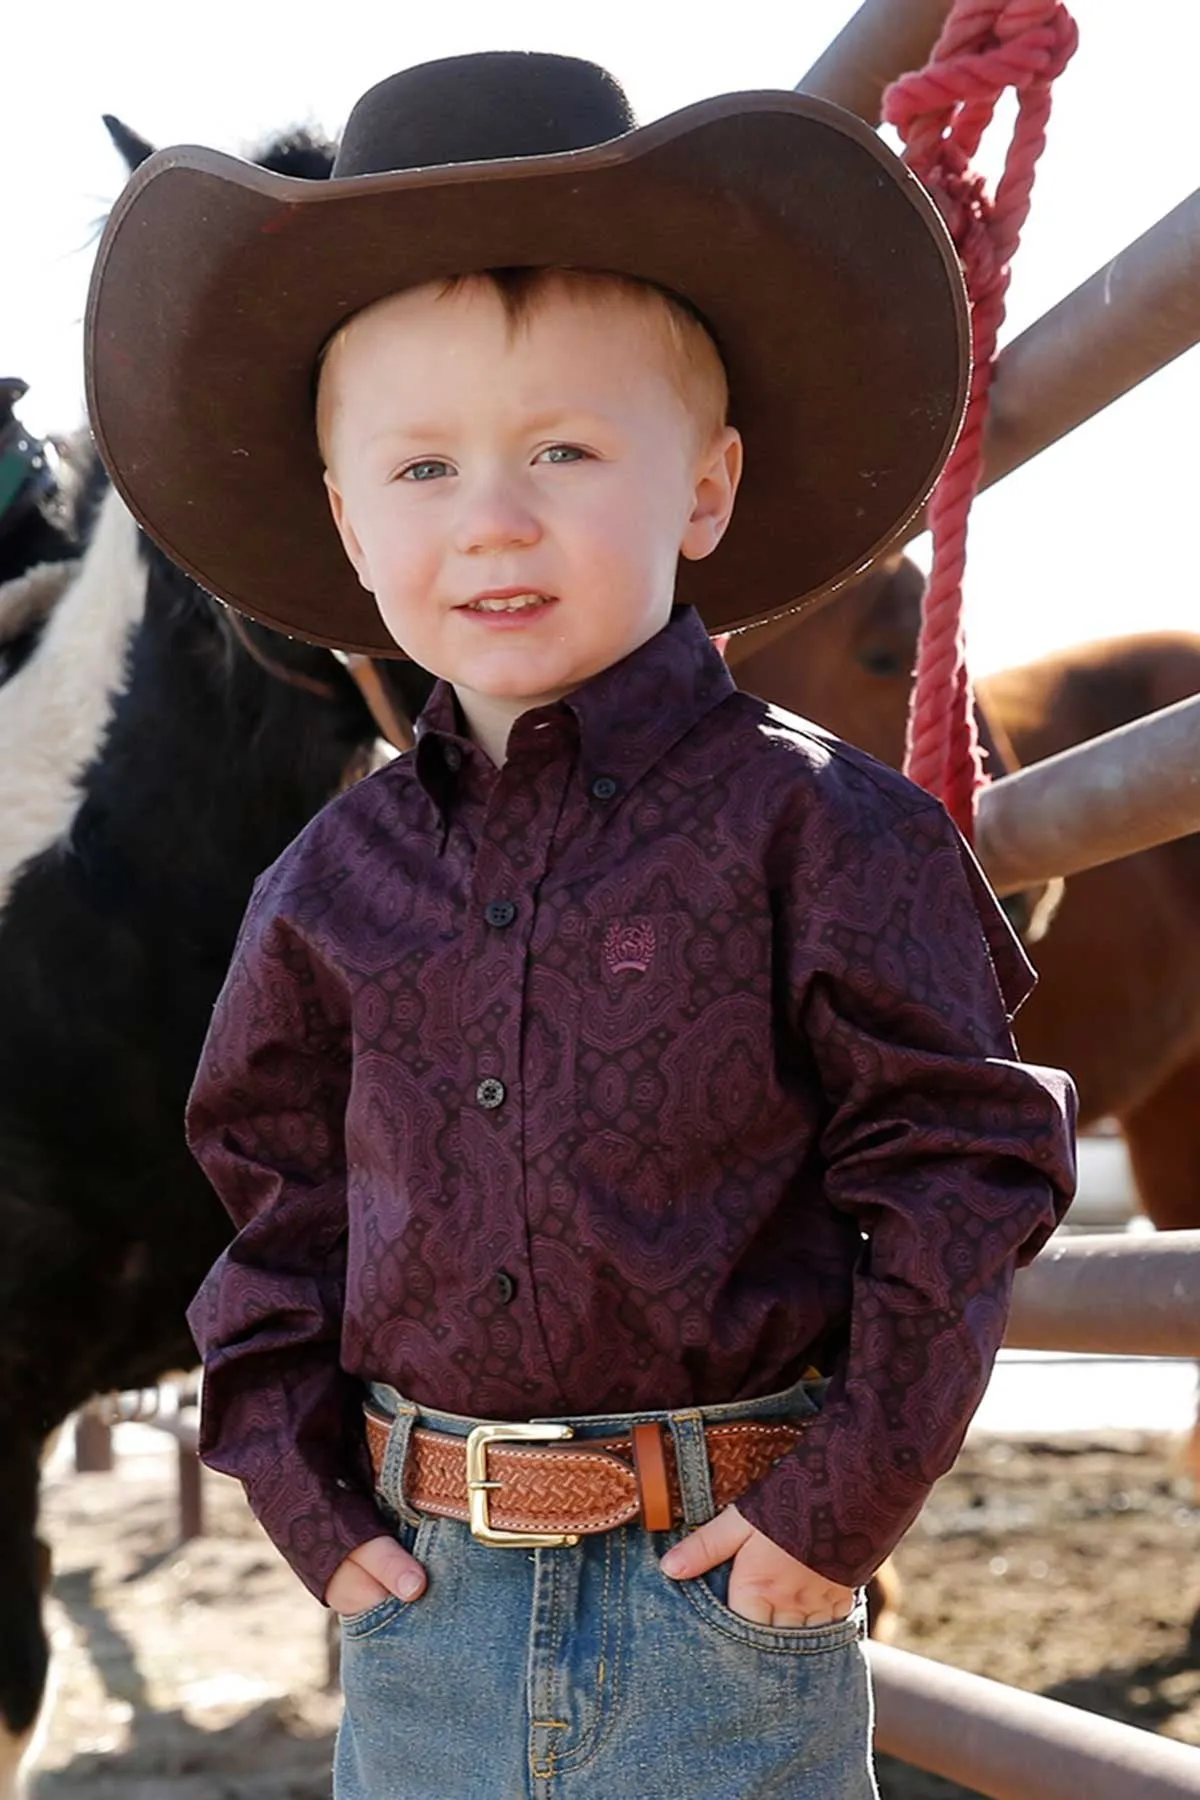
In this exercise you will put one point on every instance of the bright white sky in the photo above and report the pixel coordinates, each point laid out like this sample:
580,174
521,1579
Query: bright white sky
1088,540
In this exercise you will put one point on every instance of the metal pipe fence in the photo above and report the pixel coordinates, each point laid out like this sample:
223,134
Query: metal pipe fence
1112,796
1010,1745
1110,1293
1124,323
877,44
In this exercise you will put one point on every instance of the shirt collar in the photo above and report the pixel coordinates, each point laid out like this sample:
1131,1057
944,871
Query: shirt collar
627,717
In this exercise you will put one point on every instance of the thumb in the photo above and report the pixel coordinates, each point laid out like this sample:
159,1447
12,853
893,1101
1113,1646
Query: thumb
707,1546
392,1566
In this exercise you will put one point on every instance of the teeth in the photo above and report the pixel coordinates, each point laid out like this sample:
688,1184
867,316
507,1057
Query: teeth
514,603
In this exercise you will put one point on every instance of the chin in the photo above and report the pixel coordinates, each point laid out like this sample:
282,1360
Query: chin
526,683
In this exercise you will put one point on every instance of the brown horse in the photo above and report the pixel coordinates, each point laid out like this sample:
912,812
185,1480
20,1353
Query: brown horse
1118,1003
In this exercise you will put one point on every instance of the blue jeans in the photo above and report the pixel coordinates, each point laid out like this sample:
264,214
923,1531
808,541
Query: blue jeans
585,1673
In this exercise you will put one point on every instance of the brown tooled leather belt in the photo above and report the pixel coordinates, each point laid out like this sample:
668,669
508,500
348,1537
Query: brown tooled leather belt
524,1491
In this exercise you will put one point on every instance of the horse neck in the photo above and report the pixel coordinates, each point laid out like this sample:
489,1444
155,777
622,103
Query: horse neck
212,764
56,707
171,762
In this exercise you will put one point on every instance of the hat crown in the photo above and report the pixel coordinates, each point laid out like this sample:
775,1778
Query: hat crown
482,108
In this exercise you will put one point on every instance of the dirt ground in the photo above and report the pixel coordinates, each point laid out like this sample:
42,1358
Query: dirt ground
199,1673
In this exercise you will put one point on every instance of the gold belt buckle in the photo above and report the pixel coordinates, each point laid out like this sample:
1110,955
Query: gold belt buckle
479,1487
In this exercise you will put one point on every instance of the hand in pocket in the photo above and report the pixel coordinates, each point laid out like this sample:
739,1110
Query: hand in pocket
766,1585
375,1570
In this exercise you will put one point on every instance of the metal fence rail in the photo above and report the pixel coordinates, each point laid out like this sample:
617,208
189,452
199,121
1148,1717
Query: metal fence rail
878,43
1131,1296
1129,790
1012,1745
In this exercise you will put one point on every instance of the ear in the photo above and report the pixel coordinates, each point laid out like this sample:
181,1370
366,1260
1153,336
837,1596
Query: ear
133,148
345,530
717,478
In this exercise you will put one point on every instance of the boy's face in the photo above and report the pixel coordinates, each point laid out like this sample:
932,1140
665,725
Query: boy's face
517,496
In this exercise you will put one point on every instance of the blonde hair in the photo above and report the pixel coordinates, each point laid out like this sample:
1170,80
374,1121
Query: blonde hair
694,363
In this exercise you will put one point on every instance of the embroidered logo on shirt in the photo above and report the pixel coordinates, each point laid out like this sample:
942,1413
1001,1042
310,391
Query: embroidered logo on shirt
629,946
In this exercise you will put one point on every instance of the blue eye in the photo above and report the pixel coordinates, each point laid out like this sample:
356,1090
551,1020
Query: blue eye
425,471
560,453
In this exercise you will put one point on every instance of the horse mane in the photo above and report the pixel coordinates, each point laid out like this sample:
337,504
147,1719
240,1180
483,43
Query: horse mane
27,601
303,152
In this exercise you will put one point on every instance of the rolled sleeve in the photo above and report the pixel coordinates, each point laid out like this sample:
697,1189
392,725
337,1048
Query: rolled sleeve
266,1122
954,1160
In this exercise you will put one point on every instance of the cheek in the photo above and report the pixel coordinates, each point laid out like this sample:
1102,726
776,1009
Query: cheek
401,549
647,539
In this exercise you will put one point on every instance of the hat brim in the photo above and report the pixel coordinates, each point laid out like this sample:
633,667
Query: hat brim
822,266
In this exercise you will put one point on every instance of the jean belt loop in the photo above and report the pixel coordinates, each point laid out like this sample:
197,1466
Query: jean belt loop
691,1457
395,1458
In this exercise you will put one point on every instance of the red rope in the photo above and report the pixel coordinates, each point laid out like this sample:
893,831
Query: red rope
941,113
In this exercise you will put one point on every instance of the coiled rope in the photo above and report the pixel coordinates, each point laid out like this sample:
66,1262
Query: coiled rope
941,113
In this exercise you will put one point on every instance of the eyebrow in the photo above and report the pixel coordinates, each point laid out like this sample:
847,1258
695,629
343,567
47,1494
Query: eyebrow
431,430
390,432
541,421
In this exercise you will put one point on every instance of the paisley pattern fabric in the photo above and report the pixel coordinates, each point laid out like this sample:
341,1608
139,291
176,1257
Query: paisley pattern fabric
642,1072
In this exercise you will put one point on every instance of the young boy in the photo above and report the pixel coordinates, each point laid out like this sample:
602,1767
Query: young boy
614,1096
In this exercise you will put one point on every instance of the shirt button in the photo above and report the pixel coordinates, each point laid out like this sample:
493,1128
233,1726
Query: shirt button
604,787
499,912
452,757
490,1093
506,1287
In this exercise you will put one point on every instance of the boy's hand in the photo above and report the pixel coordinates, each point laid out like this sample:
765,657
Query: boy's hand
766,1585
369,1574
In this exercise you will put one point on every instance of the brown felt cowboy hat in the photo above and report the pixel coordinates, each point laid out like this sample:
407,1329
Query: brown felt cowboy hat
820,265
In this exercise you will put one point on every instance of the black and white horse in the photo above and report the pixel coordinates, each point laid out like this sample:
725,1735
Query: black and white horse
157,754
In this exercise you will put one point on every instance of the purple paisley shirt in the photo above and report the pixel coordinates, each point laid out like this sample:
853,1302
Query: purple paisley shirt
642,1072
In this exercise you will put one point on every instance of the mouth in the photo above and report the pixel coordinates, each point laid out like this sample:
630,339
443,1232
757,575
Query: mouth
508,600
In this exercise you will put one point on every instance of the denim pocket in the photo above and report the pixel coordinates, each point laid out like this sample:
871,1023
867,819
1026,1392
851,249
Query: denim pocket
362,1624
707,1595
800,1640
355,1626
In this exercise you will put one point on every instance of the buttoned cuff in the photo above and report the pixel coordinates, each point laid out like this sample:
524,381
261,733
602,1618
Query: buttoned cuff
314,1524
843,1537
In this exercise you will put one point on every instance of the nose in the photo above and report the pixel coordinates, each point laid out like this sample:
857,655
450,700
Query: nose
496,515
